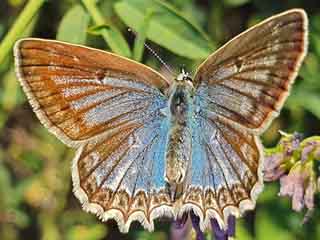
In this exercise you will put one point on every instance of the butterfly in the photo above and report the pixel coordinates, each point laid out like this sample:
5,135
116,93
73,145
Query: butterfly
148,146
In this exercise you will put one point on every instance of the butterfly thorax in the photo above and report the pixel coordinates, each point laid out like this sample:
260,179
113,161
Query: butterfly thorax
179,150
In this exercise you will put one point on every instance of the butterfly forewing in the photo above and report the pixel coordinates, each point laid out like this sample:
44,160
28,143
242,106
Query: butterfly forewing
78,92
248,79
109,108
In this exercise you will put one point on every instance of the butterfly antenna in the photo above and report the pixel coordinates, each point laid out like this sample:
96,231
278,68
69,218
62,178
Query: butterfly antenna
194,69
154,53
159,58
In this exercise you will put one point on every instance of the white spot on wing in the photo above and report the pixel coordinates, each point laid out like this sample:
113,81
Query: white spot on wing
76,59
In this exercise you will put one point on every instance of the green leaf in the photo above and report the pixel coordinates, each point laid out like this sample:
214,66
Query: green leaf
5,186
167,27
270,190
96,30
21,218
113,37
267,229
92,232
144,235
315,41
315,22
23,25
235,3
308,100
109,32
141,37
10,96
241,232
73,26
32,161
2,30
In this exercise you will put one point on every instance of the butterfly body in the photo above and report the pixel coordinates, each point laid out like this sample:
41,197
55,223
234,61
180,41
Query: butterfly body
148,147
179,147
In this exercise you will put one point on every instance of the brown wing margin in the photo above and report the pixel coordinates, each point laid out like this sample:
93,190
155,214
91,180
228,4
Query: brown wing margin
258,68
41,66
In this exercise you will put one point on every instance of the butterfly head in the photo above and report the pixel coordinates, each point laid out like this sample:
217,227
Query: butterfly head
184,76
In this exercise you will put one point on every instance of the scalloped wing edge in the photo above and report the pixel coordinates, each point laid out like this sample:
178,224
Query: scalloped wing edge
175,211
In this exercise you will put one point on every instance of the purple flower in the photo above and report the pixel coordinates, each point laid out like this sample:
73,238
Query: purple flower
278,161
221,234
179,228
180,222
296,140
231,226
309,194
290,142
293,162
273,168
195,224
300,185
308,149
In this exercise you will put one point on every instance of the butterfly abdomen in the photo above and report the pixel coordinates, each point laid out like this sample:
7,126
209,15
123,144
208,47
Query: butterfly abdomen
179,149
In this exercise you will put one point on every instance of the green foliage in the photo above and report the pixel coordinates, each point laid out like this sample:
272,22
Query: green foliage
242,232
263,222
235,3
177,33
36,199
107,30
142,36
93,232
74,25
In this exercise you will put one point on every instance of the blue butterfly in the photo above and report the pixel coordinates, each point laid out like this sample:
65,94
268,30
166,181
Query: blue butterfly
149,147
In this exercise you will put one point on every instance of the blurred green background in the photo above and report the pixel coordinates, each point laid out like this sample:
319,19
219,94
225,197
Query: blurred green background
36,199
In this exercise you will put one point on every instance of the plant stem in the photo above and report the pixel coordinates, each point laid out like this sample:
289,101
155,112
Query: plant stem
94,12
111,34
141,37
18,27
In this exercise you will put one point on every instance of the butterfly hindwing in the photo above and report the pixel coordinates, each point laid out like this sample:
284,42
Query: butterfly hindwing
121,176
225,174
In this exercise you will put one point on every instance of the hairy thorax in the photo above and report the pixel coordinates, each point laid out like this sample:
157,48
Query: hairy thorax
179,150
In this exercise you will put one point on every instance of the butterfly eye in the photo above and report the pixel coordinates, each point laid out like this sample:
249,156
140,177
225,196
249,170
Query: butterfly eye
187,78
